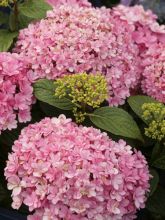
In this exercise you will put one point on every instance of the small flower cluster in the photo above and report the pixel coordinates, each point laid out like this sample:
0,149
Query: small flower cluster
65,171
83,3
84,90
81,39
154,114
15,91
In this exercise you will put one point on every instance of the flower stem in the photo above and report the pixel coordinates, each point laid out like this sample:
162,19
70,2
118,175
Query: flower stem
15,9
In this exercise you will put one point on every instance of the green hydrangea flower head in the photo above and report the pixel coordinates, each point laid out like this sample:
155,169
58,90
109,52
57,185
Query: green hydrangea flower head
154,114
84,90
5,3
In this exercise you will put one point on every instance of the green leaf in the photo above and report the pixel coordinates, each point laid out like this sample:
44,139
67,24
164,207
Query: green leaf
6,39
158,156
3,18
24,20
159,162
44,90
34,9
154,181
156,151
12,23
136,103
156,203
117,121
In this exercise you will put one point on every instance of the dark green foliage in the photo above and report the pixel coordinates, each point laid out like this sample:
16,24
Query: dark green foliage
19,15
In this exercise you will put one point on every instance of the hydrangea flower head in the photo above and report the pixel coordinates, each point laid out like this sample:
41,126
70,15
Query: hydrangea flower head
153,81
84,90
150,38
15,91
74,39
83,3
65,171
154,114
145,29
5,3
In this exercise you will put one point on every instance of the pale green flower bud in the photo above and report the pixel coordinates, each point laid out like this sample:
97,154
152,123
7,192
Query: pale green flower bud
154,114
83,90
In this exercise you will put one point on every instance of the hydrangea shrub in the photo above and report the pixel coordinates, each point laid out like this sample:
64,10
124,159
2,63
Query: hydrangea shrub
77,64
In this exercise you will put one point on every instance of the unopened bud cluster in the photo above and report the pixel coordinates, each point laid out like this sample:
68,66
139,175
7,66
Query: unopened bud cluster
5,3
83,90
154,114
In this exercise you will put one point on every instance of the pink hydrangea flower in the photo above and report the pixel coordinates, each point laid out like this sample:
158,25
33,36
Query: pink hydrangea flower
153,82
66,171
146,30
83,3
74,39
15,91
150,38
